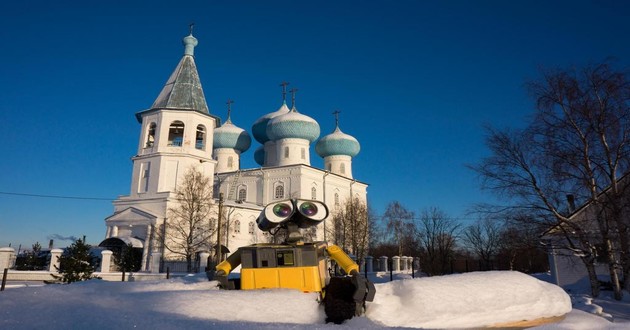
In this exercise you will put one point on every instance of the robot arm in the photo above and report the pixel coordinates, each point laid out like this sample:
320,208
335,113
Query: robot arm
364,289
342,259
225,268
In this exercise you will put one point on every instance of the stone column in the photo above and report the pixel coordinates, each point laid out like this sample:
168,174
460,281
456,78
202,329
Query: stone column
396,263
54,260
145,248
368,264
6,255
114,231
203,261
403,263
154,265
109,232
382,264
106,260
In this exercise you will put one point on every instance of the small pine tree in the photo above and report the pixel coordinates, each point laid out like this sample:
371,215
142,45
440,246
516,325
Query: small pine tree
128,259
76,263
31,260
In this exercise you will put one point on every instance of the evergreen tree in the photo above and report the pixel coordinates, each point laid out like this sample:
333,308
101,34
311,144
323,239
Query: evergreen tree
76,264
31,260
128,259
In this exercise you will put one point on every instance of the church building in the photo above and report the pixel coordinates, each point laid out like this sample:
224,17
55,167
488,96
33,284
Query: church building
178,132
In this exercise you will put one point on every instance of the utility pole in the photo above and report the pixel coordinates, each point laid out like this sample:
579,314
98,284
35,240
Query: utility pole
219,250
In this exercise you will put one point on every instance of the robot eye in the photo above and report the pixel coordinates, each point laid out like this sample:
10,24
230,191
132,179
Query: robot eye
313,210
282,210
275,214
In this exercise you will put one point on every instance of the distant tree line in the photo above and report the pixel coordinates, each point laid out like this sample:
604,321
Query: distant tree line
444,245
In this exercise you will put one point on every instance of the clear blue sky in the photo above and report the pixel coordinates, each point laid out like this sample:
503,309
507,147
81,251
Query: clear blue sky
415,82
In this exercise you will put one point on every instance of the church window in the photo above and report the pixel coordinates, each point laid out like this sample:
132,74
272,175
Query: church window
303,153
143,185
342,168
200,139
279,191
242,194
286,152
237,227
328,167
313,193
151,135
230,162
176,134
336,200
251,227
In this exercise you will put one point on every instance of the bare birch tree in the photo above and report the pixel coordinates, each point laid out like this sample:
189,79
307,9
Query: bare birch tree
190,226
351,227
577,144
437,236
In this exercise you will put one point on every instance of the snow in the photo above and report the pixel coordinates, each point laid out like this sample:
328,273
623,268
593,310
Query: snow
455,301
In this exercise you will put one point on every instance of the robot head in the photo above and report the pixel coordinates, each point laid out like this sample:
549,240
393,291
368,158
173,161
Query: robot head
303,213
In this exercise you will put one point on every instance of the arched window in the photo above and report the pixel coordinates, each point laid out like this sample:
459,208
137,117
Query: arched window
251,227
279,191
242,194
230,162
151,136
176,134
286,152
200,139
329,167
303,153
313,193
342,168
336,200
237,227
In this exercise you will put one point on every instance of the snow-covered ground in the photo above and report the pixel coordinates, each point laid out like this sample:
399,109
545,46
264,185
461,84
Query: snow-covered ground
469,300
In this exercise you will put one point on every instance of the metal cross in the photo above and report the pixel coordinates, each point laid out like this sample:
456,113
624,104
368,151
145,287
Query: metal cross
293,91
191,27
336,113
229,106
284,90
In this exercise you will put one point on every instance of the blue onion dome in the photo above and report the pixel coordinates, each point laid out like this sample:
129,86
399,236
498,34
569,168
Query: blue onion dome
293,125
231,136
259,129
337,143
259,156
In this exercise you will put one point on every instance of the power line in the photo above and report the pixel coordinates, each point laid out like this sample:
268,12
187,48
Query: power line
55,196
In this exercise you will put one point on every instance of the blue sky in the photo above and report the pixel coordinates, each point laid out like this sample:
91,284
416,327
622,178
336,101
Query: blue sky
415,82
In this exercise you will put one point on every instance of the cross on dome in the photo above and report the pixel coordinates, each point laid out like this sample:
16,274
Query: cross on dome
293,91
229,108
284,91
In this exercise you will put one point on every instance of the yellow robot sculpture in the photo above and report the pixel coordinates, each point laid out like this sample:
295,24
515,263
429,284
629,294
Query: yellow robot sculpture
295,264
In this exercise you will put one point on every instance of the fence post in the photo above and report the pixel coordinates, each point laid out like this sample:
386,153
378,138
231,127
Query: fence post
4,278
168,272
383,263
391,271
6,255
396,263
413,269
106,260
54,260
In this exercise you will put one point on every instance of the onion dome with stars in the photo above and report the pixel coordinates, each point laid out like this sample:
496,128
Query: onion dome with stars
337,143
231,136
293,125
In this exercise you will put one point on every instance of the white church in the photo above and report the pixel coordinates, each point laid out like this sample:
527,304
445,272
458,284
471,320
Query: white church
178,132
